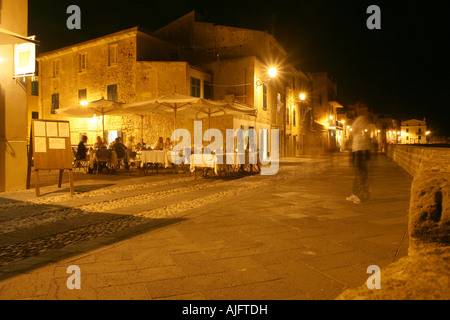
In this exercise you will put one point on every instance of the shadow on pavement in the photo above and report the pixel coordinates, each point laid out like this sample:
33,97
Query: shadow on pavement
34,235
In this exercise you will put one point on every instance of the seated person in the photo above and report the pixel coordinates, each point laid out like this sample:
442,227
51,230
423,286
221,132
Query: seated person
159,145
82,150
168,144
98,144
119,148
129,143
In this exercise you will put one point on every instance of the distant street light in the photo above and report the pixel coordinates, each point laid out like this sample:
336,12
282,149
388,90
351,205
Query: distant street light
302,96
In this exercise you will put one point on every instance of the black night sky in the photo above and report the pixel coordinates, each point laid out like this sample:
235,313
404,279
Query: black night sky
401,69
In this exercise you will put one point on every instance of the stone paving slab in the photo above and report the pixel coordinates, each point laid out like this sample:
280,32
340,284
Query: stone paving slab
296,238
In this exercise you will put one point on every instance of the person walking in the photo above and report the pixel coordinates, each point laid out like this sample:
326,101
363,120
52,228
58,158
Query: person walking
360,154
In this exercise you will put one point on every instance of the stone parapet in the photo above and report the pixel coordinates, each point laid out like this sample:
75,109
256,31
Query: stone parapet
424,274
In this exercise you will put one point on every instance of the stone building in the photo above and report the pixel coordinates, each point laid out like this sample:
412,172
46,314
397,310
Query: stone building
239,60
127,66
13,93
328,131
414,131
189,57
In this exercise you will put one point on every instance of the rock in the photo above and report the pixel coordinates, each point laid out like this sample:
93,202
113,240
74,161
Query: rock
423,276
429,213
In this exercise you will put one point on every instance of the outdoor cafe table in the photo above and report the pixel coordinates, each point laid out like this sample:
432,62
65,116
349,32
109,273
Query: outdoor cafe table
155,157
229,164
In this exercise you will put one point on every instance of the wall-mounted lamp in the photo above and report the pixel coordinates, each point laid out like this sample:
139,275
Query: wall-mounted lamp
272,74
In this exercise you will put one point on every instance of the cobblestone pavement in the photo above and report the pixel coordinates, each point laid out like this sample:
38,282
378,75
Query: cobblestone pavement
170,236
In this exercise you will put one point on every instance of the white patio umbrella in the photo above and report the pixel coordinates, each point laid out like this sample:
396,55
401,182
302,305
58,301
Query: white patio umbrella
94,108
185,106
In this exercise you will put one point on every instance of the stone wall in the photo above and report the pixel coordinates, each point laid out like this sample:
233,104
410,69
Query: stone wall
411,157
424,273
429,213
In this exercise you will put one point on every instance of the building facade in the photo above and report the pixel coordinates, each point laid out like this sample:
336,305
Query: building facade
414,131
195,58
13,95
127,66
328,131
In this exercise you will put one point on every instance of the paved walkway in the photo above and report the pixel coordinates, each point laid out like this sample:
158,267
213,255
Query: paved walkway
290,236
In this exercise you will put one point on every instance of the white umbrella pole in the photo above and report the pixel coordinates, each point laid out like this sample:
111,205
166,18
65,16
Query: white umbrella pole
142,130
175,120
103,125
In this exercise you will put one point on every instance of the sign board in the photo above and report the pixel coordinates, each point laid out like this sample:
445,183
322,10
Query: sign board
24,59
51,145
51,148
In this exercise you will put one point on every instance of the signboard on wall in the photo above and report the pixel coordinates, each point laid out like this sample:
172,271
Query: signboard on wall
24,59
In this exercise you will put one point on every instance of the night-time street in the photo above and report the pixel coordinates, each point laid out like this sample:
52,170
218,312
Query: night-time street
214,151
291,236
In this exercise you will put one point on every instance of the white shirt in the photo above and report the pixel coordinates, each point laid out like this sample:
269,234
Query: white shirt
360,137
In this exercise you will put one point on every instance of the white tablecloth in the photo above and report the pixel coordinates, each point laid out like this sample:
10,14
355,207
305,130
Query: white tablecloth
155,157
200,161
211,161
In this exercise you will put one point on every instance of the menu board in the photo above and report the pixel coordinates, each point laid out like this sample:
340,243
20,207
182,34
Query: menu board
51,145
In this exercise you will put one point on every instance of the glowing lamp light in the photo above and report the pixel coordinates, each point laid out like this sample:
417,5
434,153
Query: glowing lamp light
365,130
1,59
302,96
343,121
428,133
272,72
348,127
331,117
84,103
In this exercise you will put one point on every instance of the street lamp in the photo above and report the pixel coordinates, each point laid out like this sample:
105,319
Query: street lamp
302,96
273,72
84,103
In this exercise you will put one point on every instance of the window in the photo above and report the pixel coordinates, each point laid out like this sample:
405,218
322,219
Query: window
207,90
407,138
82,95
55,68
407,130
420,130
55,103
195,87
112,55
265,97
34,115
420,137
83,62
320,100
34,88
287,115
112,92
293,117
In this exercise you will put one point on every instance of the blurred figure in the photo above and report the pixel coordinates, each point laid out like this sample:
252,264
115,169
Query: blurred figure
159,145
360,154
167,144
98,143
82,150
129,143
